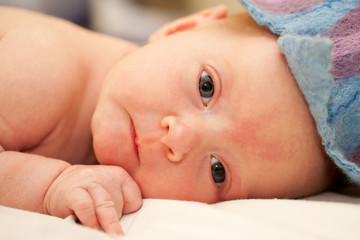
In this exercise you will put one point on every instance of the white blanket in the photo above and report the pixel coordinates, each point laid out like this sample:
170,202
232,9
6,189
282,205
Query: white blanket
330,215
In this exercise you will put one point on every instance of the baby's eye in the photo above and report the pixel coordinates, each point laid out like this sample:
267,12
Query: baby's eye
217,171
206,87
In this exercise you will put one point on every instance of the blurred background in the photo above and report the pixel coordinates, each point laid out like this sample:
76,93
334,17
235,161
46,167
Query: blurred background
133,20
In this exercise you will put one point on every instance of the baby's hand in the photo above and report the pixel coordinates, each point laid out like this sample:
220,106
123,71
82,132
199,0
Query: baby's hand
97,195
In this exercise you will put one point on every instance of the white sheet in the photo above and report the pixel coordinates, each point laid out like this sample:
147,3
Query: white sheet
325,216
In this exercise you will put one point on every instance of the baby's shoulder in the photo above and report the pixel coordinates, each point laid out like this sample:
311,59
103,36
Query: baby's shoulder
51,72
41,80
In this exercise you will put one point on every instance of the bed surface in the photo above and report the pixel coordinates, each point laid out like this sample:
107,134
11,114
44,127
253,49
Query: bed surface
330,215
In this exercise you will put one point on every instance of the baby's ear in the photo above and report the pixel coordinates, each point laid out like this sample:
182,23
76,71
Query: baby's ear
194,20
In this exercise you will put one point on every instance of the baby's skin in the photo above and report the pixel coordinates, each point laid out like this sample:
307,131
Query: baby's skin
207,111
50,75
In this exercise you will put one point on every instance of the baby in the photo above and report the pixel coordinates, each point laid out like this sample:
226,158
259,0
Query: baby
207,111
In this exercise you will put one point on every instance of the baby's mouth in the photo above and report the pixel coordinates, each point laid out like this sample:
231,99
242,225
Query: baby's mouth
134,138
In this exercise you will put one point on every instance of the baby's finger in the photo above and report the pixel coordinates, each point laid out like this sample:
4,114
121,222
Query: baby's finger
131,196
83,206
105,210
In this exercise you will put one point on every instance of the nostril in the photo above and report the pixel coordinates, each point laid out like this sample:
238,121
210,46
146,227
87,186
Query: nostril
166,121
171,155
174,157
174,138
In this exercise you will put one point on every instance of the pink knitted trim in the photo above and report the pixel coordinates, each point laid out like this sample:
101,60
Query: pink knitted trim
346,37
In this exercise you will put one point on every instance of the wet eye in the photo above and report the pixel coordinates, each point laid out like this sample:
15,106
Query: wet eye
217,171
206,87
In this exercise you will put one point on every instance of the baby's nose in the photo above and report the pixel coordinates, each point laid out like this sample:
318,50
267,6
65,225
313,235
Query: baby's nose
179,138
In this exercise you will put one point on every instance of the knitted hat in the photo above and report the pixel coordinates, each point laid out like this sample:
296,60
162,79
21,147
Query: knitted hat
321,42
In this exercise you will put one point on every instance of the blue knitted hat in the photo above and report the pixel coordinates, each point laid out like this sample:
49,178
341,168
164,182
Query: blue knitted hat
321,42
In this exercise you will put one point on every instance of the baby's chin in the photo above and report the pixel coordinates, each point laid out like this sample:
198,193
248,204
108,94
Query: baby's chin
112,153
114,141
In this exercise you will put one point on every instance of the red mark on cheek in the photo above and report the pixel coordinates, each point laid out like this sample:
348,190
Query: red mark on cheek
259,138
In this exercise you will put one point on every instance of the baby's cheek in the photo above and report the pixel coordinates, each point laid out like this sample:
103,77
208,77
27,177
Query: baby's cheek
173,185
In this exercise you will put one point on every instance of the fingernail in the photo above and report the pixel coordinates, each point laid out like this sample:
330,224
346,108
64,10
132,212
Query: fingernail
116,235
113,235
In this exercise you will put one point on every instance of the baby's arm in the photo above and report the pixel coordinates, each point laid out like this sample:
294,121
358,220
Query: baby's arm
25,178
97,195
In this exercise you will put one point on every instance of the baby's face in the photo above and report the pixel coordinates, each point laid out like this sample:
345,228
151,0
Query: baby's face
208,115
